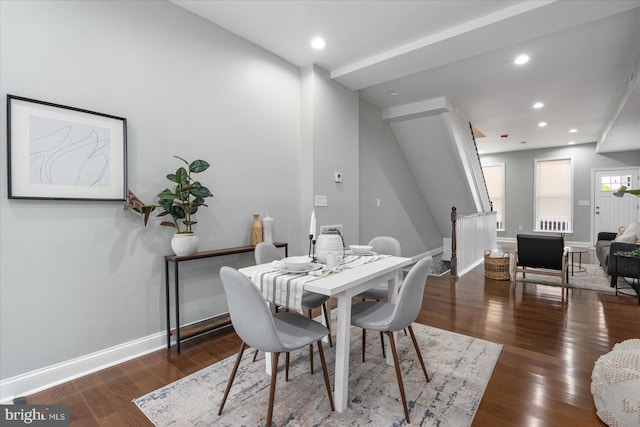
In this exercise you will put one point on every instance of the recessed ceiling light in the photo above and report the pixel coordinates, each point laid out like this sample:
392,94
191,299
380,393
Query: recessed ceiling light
573,130
393,93
571,142
318,43
542,124
521,59
538,105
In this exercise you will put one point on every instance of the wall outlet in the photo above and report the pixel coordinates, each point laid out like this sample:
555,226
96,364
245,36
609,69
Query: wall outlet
378,202
337,177
520,227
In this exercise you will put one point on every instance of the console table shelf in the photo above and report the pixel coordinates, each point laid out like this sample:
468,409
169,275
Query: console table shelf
207,325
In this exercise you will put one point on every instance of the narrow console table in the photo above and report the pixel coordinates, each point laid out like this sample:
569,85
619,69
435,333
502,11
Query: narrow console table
176,260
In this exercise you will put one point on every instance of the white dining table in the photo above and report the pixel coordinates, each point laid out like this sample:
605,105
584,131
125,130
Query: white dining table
343,286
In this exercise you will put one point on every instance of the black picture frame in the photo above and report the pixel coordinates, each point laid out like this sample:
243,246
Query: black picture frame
56,152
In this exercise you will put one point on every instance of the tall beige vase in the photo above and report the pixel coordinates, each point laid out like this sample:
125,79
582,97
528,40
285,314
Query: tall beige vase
256,230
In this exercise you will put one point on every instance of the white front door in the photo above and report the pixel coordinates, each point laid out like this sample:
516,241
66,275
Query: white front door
610,212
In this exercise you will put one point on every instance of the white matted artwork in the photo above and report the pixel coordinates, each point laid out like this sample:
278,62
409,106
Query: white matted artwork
59,152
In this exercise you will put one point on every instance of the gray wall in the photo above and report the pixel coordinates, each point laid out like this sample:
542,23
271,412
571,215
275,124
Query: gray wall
79,277
385,174
519,170
332,128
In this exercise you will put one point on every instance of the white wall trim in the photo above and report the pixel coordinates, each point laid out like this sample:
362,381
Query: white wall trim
418,257
41,379
471,267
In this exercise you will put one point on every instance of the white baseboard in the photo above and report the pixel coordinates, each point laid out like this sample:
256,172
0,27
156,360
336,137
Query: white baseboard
41,379
471,267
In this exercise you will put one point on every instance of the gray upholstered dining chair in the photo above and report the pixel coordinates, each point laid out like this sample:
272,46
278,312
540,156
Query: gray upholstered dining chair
388,317
267,252
387,246
259,328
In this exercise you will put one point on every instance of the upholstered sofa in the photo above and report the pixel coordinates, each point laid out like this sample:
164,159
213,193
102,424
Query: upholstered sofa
622,241
629,235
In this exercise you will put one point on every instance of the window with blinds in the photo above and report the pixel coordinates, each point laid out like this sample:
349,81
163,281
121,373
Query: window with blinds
554,195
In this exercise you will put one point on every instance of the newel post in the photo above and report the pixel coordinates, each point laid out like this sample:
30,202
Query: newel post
454,256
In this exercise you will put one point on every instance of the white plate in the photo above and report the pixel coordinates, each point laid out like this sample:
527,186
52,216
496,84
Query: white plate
311,267
359,254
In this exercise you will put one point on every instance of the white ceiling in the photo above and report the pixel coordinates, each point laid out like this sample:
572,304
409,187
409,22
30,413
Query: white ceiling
583,54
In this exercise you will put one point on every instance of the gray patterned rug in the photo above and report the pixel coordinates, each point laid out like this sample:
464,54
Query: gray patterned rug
459,367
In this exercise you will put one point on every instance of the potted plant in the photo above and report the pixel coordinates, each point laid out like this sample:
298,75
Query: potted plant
180,203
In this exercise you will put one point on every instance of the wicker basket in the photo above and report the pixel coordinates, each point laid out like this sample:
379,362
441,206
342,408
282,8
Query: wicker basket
497,268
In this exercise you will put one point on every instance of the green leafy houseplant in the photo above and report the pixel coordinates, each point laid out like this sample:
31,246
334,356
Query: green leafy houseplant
188,195
181,202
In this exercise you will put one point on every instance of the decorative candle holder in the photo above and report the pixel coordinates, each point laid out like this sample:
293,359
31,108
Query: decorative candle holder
313,253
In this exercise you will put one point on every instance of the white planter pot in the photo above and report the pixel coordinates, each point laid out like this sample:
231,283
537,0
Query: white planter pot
184,244
327,243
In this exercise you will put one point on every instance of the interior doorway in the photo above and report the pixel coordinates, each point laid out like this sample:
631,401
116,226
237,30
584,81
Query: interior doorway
610,212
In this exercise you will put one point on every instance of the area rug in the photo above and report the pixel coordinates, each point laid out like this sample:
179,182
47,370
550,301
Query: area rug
459,367
594,278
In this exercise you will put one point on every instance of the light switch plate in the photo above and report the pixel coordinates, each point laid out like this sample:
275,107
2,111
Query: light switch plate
320,200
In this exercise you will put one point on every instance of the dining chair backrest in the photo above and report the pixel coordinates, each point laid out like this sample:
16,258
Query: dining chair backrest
266,252
386,246
250,315
410,297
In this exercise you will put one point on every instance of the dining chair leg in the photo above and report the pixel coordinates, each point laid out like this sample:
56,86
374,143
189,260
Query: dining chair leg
384,354
272,389
255,354
326,319
286,367
233,375
415,344
364,342
326,374
399,375
310,346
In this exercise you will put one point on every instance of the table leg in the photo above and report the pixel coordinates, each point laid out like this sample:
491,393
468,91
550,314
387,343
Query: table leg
327,304
392,297
166,291
268,355
572,261
175,270
343,330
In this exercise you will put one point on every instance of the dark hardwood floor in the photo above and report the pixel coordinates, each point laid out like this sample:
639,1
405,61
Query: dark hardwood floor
542,377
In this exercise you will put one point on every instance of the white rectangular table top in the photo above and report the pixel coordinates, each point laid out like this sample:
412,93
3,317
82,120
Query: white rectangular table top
343,286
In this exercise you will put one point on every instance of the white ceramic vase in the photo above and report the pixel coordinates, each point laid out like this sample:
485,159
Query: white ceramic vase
184,244
327,243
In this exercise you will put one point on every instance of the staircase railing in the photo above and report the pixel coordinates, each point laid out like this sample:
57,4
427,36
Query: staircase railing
471,235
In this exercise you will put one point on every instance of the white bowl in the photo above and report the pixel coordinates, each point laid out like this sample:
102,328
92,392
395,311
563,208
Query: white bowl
360,249
297,263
